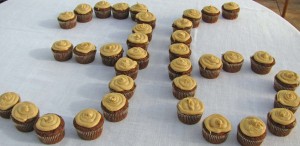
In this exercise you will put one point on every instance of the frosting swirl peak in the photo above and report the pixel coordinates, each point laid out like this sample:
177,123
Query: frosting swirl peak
181,64
145,16
121,6
263,57
83,8
231,6
211,9
65,16
102,5
192,13
282,116
210,61
137,53
288,77
48,122
179,48
183,23
114,101
121,83
8,100
85,47
61,45
233,57
88,118
190,106
142,28
138,38
185,82
24,110
288,98
181,35
125,64
139,8
111,49
252,126
217,123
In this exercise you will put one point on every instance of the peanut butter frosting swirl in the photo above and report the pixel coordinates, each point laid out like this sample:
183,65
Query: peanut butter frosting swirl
142,28
102,5
114,101
181,64
120,6
282,116
139,8
88,118
210,61
83,8
61,45
190,106
138,38
137,53
121,83
85,47
8,100
179,48
145,16
288,77
217,123
181,35
65,16
111,49
48,122
211,9
231,6
192,13
263,57
185,82
252,126
24,110
125,64
288,98
183,23
233,57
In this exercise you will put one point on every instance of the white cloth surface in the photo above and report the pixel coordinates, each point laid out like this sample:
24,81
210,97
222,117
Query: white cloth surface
28,29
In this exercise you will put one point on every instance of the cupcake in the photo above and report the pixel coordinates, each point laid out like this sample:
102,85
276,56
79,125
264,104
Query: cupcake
62,50
50,128
210,14
134,9
184,86
24,115
216,128
181,36
179,50
146,17
140,55
286,80
251,131
262,62
210,66
232,61
287,99
179,66
122,84
230,10
190,110
144,29
111,53
281,121
120,10
84,13
193,15
137,40
182,24
127,66
114,106
85,52
89,124
102,9
7,101
67,20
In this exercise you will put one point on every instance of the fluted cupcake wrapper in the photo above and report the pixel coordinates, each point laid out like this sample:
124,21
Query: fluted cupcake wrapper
111,61
277,86
115,117
85,18
89,135
188,119
120,15
182,94
143,63
209,74
63,56
25,127
279,105
246,142
215,139
5,113
52,139
259,69
174,75
133,75
209,19
67,24
85,59
229,15
278,131
103,14
231,67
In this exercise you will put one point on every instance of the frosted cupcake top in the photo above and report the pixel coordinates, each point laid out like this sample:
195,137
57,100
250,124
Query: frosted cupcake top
288,77
114,101
102,5
210,61
192,13
145,16
142,28
183,23
181,35
138,38
24,110
85,47
111,49
288,98
65,16
137,53
263,57
181,64
61,45
190,106
217,123
252,126
8,100
233,57
125,64
88,118
282,116
83,8
139,8
211,9
179,48
48,122
231,6
120,6
185,82
121,83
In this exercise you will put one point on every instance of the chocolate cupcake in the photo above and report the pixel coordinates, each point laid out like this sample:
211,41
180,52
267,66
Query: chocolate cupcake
210,14
262,62
251,131
67,20
144,29
134,9
24,115
230,10
216,128
137,40
193,15
122,84
140,55
102,9
85,52
210,66
179,66
287,99
146,17
286,80
184,86
84,13
50,128
7,101
127,66
62,50
232,61
111,53
181,36
281,121
120,10
114,106
89,124
190,110
182,24
179,50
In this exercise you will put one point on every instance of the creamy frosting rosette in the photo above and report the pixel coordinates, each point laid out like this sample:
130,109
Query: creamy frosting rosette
24,110
142,28
183,23
114,101
111,49
252,126
120,6
263,57
192,13
125,64
145,16
211,9
139,8
231,6
137,53
102,5
121,83
85,47
288,77
282,116
65,16
288,98
190,106
233,57
48,122
181,64
61,45
83,8
181,35
88,118
185,82
210,61
179,48
8,100
138,38
217,123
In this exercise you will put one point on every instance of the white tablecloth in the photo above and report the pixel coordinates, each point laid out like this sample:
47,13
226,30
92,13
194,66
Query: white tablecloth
28,29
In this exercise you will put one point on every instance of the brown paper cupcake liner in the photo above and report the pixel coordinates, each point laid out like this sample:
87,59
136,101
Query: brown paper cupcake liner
229,15
279,105
120,15
111,61
115,117
188,119
63,56
246,142
133,74
231,67
277,86
68,24
215,139
182,94
52,139
278,131
25,127
103,14
83,18
173,75
143,63
85,59
89,135
259,69
209,19
5,113
210,74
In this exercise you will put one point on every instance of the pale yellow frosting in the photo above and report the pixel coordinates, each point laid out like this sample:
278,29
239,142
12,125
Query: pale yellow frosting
85,47
288,77
263,57
138,38
181,64
210,61
282,116
83,8
190,106
121,83
88,118
24,110
137,53
183,23
48,122
233,57
114,101
145,16
231,6
111,49
125,64
217,123
181,35
211,9
120,6
102,5
288,98
192,13
252,126
142,28
61,45
185,82
179,48
8,100
139,8
65,16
